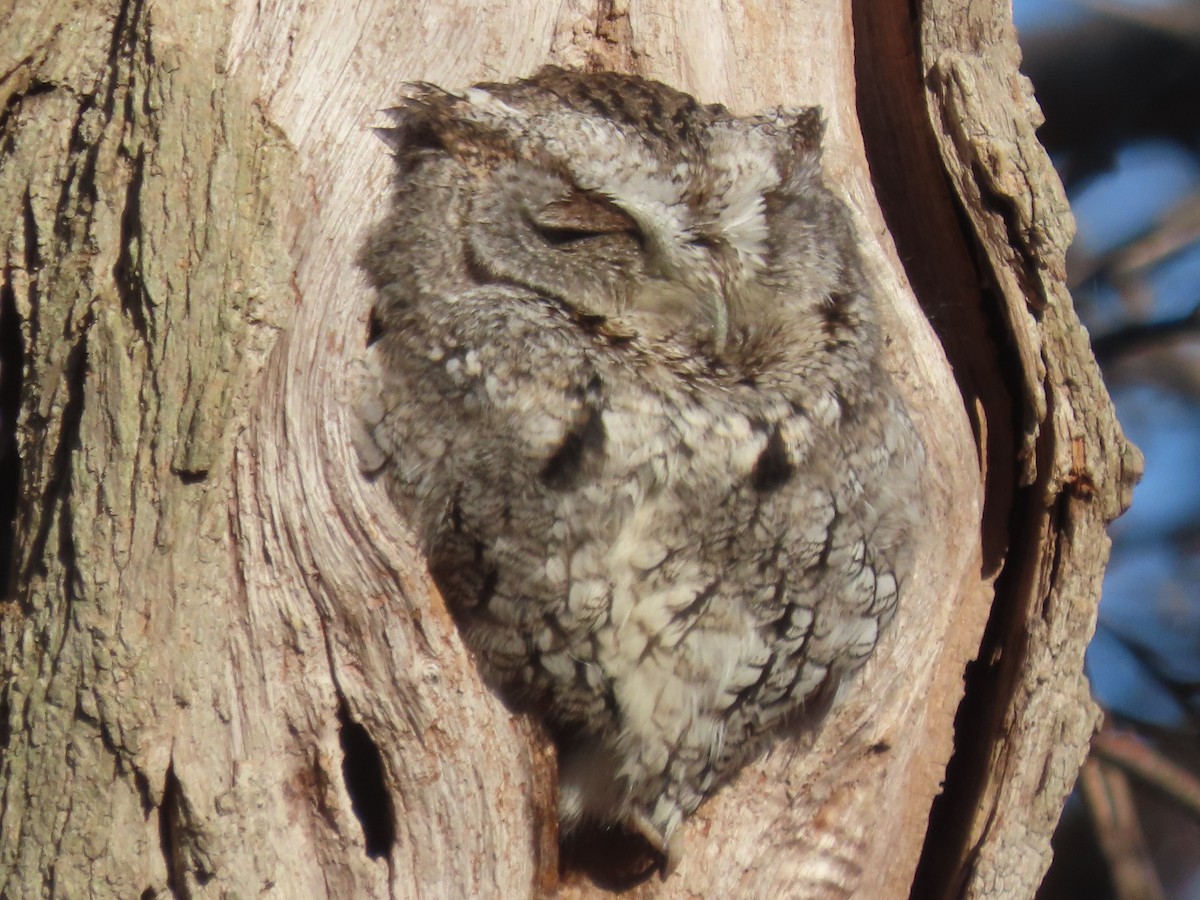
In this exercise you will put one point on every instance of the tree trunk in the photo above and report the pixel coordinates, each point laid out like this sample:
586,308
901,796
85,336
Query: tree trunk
225,671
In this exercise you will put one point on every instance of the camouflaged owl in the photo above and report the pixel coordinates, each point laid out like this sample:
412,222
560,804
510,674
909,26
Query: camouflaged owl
624,380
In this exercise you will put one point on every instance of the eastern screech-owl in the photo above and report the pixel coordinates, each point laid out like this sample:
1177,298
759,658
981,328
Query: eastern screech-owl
624,380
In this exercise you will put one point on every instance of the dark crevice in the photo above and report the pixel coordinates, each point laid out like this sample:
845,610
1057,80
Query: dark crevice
989,678
124,46
33,269
1004,209
69,442
168,824
134,41
127,273
179,839
33,253
57,492
987,681
935,241
120,755
954,285
80,190
363,771
142,783
12,374
5,712
72,579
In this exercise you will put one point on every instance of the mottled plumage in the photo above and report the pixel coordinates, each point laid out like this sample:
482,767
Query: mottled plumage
624,381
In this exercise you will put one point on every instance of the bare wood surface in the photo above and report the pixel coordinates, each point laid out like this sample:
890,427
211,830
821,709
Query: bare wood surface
207,593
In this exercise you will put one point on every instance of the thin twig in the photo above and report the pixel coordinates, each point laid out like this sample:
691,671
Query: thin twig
1143,762
1134,337
1109,798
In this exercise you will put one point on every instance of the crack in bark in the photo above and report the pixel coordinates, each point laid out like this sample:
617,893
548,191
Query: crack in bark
123,758
1004,209
122,48
178,839
127,272
5,714
72,226
47,368
955,289
168,815
12,363
128,43
362,772
57,493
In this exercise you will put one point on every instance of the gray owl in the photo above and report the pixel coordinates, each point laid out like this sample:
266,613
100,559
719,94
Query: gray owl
624,381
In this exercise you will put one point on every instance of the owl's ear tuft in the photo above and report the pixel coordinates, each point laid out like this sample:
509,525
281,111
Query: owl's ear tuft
393,137
797,134
806,128
413,128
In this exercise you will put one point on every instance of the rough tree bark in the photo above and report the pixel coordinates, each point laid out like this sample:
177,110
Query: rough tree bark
224,670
